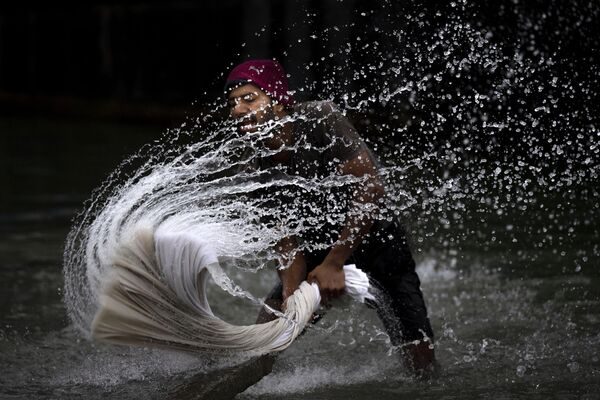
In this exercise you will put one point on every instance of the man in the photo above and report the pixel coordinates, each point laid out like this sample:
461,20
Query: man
315,140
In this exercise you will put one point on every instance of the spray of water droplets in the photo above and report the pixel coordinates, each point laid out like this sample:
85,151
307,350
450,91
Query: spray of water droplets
471,122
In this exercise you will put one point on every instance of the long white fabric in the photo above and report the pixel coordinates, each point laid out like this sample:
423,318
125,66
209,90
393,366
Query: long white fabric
156,295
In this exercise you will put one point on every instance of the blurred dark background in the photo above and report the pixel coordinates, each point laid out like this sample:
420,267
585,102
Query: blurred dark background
149,60
84,85
146,60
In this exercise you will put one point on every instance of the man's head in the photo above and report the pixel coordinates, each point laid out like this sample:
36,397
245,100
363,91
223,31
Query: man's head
257,92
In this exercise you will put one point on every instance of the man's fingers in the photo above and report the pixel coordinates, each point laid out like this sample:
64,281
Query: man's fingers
329,293
329,289
311,278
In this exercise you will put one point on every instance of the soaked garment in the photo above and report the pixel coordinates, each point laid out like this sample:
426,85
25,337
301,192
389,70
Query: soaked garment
324,139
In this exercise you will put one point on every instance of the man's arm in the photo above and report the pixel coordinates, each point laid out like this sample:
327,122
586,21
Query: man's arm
329,275
295,273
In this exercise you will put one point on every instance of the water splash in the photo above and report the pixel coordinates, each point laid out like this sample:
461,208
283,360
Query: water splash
489,144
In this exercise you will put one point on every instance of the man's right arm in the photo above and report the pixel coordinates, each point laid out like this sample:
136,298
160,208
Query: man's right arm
295,272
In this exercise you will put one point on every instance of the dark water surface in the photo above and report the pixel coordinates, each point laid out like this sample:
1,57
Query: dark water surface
514,297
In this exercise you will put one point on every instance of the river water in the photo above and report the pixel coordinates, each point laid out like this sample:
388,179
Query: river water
515,308
490,162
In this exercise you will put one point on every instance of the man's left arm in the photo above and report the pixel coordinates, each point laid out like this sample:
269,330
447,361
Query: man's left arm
329,275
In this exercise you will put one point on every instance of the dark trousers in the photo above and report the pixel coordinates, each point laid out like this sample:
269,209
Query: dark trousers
385,256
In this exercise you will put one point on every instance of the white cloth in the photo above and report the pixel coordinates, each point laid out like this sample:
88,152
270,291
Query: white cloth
156,295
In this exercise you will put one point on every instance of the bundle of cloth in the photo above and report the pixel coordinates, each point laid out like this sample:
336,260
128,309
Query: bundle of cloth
155,295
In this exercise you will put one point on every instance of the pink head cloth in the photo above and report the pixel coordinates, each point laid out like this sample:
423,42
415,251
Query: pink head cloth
268,75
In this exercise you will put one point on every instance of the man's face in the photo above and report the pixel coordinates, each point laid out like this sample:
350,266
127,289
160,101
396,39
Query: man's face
250,106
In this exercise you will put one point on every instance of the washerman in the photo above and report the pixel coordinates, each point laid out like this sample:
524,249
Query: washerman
314,141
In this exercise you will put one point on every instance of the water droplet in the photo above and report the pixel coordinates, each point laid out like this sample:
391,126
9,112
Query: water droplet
573,367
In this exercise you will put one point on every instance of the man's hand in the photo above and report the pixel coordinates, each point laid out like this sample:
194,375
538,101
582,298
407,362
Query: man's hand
331,280
290,283
288,290
295,273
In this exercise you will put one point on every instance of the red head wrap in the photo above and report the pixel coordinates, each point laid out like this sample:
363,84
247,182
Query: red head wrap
268,75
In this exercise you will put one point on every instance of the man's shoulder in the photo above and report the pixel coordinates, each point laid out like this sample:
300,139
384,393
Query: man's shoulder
316,108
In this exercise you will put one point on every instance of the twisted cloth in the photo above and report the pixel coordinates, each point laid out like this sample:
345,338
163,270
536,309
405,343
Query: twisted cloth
156,295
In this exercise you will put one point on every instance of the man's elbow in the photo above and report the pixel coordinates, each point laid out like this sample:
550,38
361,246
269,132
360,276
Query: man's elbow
378,190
